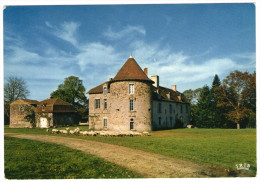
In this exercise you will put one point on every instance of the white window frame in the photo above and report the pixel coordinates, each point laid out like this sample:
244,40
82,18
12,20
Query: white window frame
97,104
105,103
105,122
131,104
131,88
105,90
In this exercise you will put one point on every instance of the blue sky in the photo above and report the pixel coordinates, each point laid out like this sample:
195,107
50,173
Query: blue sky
185,44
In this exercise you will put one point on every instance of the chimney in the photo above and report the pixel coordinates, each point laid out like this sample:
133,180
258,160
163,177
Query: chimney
146,71
179,97
110,79
155,78
174,87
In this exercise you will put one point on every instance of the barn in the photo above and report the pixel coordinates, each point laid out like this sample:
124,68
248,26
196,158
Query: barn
54,112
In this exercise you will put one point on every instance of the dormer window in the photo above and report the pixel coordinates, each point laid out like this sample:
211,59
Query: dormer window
43,107
105,90
131,88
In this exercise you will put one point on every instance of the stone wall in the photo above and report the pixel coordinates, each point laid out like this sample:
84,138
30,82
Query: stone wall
48,116
169,117
18,112
96,116
121,116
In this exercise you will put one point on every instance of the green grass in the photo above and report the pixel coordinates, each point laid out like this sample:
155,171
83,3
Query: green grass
218,147
27,159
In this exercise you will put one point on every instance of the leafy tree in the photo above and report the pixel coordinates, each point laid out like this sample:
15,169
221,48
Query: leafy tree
192,95
73,91
235,94
202,115
14,88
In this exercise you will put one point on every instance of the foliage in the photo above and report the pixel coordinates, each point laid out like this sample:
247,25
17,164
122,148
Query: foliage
30,115
73,91
237,95
202,113
6,113
27,159
192,95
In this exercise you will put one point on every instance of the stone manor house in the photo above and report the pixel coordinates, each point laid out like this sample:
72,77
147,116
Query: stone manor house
132,101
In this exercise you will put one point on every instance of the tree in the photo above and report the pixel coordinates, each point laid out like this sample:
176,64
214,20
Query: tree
73,91
192,95
218,118
202,113
15,88
235,94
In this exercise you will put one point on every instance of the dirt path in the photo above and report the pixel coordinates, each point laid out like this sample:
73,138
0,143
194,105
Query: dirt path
147,164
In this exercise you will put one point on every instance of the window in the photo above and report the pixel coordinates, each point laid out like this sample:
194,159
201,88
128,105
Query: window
170,121
21,108
131,125
105,103
159,107
131,104
97,103
105,91
131,88
160,122
43,107
105,122
170,108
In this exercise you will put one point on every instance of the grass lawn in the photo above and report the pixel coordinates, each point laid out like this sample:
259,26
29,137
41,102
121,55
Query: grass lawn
27,159
218,147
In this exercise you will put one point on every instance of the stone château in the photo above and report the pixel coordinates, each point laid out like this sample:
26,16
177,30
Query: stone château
132,101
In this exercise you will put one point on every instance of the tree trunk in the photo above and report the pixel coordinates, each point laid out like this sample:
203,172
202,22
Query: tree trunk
238,126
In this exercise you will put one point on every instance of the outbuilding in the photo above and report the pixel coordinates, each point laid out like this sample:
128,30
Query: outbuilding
54,112
22,113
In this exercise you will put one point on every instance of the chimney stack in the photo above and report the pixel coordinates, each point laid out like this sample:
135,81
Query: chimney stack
174,87
146,71
155,78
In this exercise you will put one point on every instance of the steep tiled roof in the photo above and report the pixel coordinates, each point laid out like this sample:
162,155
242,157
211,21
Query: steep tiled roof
131,71
97,89
54,105
164,93
24,101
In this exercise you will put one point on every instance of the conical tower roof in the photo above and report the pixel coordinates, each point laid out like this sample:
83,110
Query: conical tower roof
131,71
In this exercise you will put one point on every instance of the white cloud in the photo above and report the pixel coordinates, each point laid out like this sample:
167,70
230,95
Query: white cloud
96,54
126,32
67,31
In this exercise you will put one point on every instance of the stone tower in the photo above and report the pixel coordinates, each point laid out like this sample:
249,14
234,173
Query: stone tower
131,97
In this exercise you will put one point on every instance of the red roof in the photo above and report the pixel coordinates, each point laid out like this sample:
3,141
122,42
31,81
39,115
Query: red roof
54,105
131,71
97,89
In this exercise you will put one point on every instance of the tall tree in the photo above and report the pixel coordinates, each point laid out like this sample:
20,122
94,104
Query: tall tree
202,113
217,115
73,91
15,88
235,91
